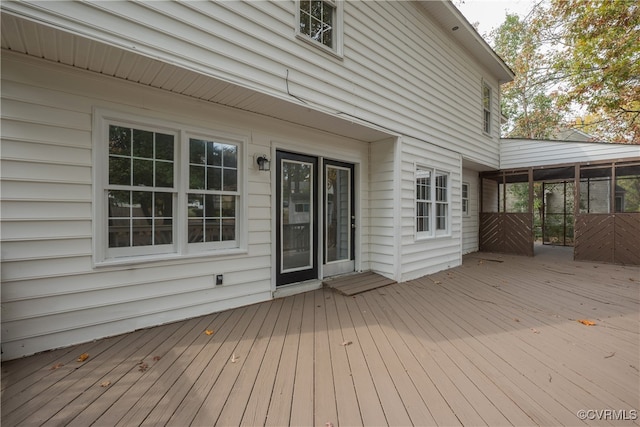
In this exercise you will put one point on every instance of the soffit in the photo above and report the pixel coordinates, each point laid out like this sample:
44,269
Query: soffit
43,41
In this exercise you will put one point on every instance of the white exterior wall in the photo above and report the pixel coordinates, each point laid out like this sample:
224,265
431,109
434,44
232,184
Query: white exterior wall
52,294
421,256
522,153
383,201
470,224
400,69
400,74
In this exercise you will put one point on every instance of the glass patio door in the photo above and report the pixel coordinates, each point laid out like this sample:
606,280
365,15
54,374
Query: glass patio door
297,218
339,218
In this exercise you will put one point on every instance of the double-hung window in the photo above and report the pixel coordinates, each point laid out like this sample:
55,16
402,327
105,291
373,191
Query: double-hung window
213,192
465,199
486,108
141,190
320,22
432,202
164,190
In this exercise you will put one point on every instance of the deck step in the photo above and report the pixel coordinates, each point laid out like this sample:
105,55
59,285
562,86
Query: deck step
353,284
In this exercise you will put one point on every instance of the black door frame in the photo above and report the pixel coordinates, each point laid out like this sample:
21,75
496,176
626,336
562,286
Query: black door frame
311,273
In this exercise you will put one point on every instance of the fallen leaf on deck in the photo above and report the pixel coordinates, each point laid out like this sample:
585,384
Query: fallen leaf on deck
234,358
587,322
56,366
105,384
156,358
345,343
143,367
535,331
516,320
208,332
82,357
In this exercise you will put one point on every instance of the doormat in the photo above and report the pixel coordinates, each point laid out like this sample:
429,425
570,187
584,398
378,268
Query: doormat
353,284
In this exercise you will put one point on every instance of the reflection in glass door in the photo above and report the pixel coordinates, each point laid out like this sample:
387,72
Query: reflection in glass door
296,195
339,218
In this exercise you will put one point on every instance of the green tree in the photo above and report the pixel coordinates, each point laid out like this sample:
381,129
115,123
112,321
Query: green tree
597,53
573,57
527,102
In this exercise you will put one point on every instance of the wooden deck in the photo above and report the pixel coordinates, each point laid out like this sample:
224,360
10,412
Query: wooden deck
494,342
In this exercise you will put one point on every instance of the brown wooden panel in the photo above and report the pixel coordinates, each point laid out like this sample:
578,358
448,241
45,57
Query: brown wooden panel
594,238
506,233
627,238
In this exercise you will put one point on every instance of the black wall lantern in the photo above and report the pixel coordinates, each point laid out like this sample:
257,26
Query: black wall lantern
264,164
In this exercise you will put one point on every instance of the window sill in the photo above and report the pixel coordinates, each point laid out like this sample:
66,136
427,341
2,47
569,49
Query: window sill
419,238
168,259
336,53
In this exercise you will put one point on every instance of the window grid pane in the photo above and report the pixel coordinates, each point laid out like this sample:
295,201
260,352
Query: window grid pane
141,192
139,218
465,198
212,218
213,166
432,201
142,215
317,21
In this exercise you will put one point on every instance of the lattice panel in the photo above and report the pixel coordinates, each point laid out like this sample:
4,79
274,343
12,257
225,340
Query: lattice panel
613,238
510,233
593,238
627,238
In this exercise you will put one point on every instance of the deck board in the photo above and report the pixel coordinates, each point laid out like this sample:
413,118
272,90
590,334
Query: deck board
485,343
279,412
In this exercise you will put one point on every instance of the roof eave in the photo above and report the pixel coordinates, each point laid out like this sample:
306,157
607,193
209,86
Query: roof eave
461,30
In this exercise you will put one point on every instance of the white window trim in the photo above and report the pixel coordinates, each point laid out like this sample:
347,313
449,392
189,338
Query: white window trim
462,198
180,249
337,50
432,233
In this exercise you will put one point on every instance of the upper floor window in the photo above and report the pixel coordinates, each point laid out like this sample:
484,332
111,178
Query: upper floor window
432,202
486,108
165,191
319,21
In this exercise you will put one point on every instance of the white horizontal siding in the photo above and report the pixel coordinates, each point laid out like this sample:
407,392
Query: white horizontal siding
424,256
521,153
52,294
382,199
400,70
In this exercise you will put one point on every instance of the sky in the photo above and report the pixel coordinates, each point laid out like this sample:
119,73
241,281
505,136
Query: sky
490,13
